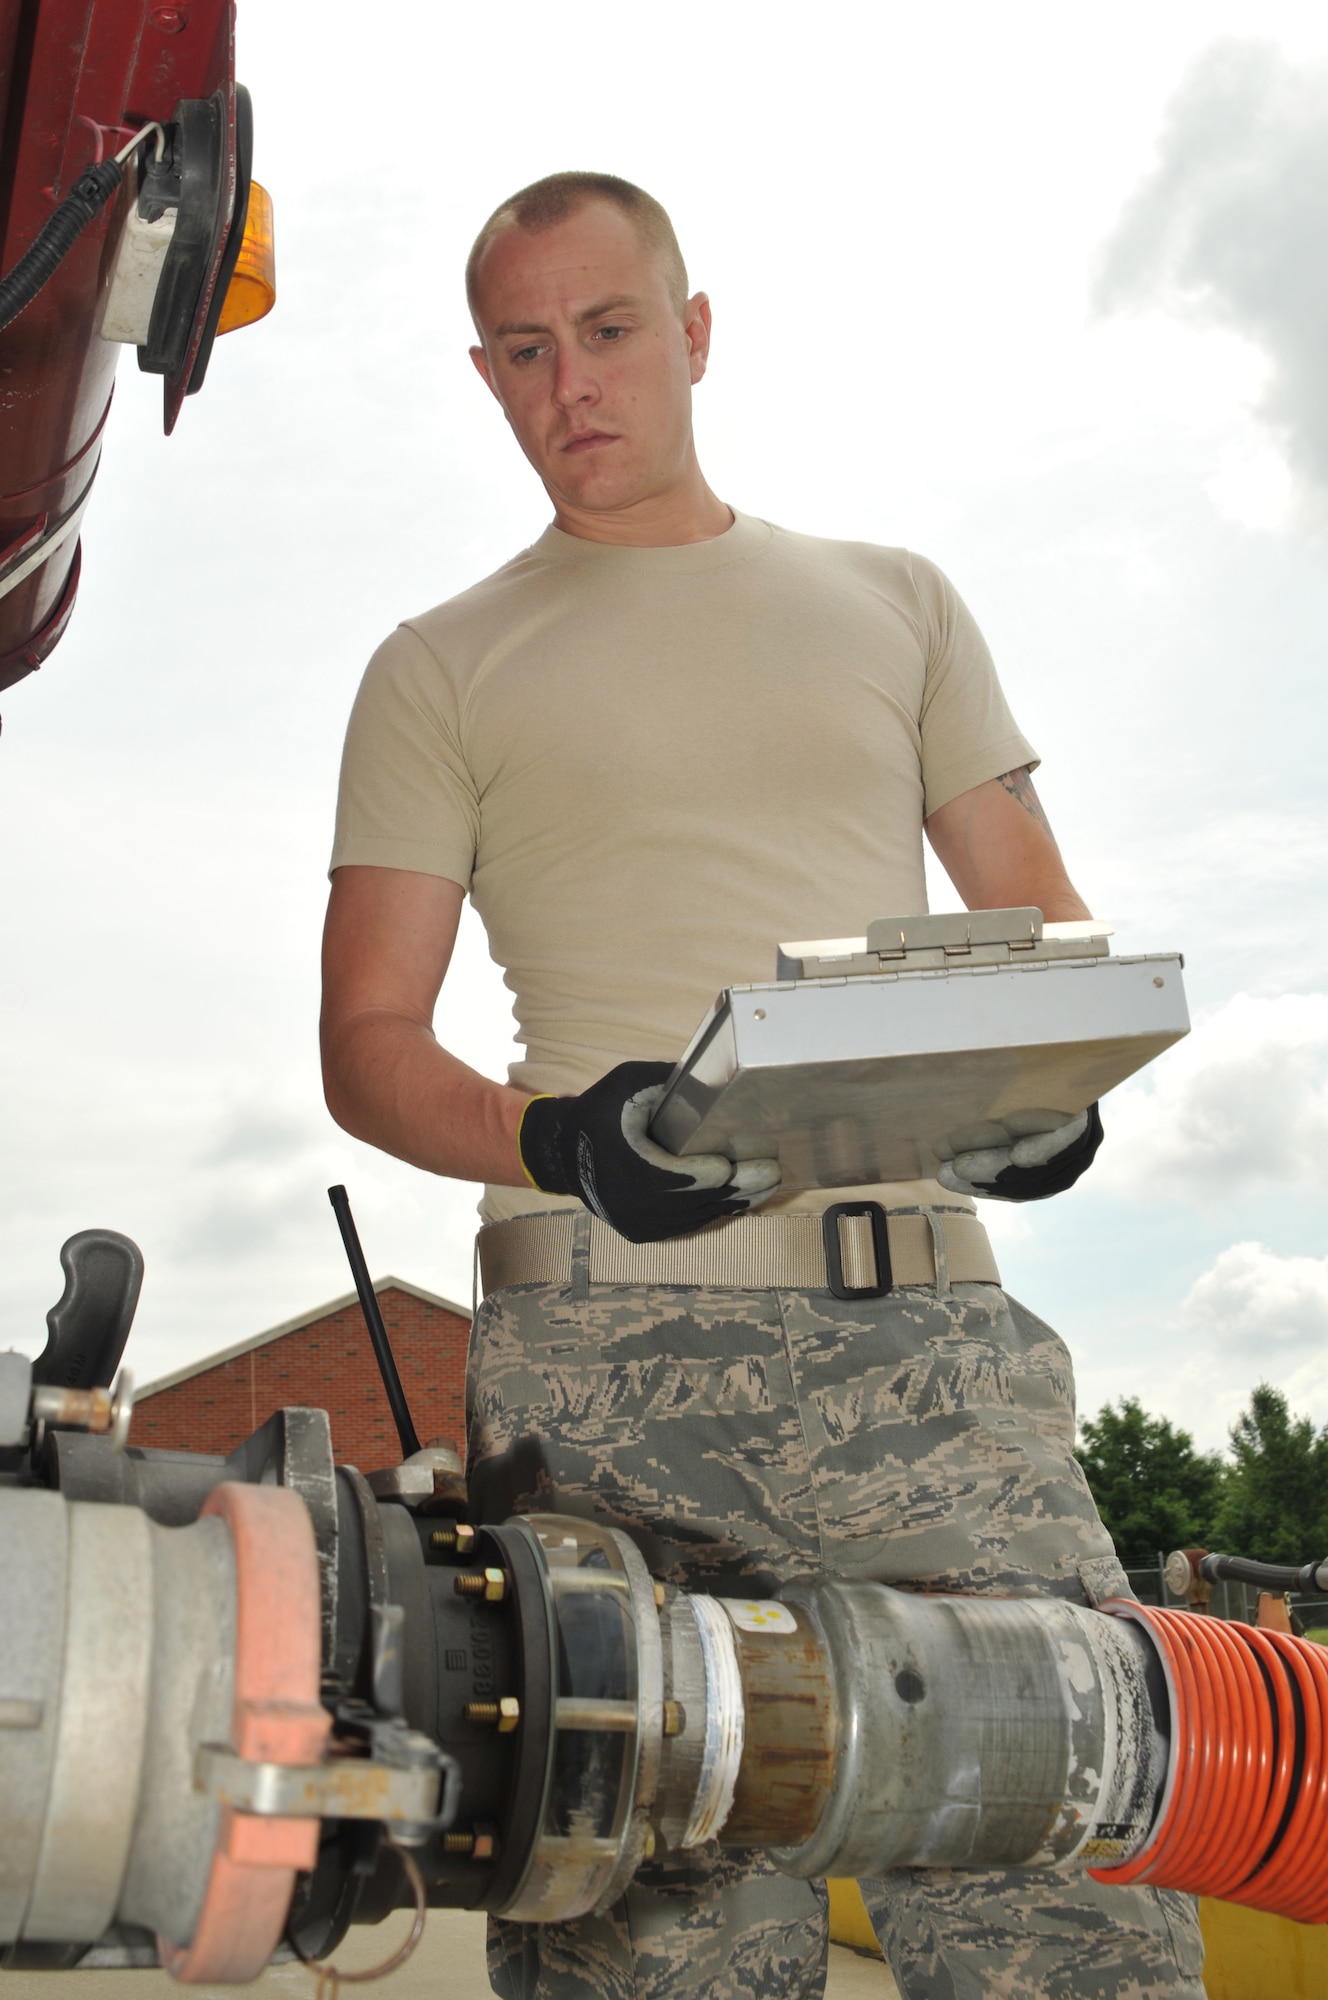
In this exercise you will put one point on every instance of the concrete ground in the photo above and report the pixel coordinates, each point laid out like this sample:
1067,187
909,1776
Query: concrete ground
448,1964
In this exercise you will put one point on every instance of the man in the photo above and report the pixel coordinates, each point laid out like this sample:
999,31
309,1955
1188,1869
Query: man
649,747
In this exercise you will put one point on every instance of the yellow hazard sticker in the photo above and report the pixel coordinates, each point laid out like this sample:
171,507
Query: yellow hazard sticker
755,1615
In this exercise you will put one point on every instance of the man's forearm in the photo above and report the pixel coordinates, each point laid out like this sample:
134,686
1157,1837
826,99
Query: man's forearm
388,1082
998,849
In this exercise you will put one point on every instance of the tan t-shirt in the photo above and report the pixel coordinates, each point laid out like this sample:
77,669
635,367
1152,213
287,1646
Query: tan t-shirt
648,766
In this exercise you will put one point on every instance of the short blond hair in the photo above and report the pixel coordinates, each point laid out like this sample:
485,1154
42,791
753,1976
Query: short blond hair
558,196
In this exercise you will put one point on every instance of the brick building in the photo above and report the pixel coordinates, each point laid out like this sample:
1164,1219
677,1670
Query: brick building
323,1359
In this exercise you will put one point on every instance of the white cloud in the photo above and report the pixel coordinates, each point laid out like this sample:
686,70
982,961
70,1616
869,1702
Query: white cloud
1254,851
1254,1303
1009,1224
1252,1316
1241,1105
1229,228
1231,883
1253,486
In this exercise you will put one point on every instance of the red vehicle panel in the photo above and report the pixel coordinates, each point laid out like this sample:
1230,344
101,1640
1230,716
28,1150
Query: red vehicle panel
77,79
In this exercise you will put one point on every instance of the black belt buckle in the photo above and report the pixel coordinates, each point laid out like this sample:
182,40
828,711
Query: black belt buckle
834,1261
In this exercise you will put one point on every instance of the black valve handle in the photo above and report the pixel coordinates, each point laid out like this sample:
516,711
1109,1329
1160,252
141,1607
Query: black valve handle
87,1328
373,1319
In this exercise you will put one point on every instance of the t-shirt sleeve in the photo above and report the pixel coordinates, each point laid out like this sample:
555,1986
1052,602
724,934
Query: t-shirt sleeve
406,798
968,732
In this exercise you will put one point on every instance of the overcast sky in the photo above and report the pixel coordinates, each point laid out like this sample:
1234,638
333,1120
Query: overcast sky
1040,291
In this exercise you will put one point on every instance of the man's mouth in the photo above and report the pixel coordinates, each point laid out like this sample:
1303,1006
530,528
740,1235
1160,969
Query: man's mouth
585,441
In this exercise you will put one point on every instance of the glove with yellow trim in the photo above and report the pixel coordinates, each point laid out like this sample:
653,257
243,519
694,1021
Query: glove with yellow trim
597,1146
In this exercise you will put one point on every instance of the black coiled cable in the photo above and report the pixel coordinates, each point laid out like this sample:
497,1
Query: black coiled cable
85,200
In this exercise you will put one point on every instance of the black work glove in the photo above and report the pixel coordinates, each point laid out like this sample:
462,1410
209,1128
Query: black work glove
1030,1169
596,1146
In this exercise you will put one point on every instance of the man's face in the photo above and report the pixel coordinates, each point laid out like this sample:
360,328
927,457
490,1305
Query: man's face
590,359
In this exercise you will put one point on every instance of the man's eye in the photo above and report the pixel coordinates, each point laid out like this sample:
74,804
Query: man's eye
525,354
610,332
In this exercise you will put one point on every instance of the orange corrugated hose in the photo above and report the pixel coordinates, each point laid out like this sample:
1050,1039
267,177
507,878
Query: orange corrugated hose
1245,1813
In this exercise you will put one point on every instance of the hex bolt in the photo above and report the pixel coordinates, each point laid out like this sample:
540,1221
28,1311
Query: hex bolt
648,1844
458,1843
489,1584
675,1718
486,1843
502,1715
457,1535
659,1597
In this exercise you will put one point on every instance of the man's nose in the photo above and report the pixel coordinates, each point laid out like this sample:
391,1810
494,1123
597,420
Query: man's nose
573,379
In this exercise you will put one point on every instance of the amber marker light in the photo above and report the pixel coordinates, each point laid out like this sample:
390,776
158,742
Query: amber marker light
252,291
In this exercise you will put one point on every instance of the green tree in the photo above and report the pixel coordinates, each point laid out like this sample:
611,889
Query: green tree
1275,1498
1152,1488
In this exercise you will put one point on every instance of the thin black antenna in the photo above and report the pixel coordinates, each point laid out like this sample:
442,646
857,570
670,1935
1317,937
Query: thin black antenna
373,1319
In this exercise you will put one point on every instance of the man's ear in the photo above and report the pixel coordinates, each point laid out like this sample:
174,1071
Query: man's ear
696,326
481,360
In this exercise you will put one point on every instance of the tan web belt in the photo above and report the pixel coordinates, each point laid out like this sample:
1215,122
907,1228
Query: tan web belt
855,1250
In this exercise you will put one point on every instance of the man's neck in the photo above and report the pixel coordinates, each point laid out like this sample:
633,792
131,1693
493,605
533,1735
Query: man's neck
686,513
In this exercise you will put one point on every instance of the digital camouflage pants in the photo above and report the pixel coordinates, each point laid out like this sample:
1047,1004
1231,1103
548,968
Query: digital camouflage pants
743,1438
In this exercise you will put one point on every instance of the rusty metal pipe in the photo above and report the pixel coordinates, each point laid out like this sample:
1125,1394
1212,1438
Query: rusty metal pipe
790,1738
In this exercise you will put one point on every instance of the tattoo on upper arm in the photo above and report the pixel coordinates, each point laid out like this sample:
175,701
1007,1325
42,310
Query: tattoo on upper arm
1019,784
